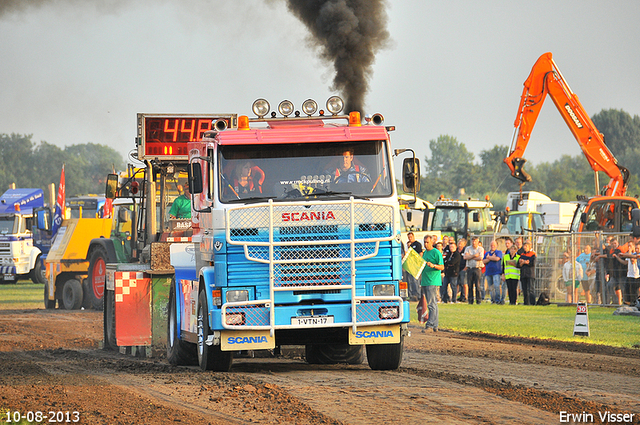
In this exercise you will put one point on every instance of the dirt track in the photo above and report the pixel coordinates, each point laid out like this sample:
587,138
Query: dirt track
50,361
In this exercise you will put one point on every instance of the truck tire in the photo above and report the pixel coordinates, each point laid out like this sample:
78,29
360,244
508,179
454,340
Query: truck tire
109,321
210,357
179,352
334,353
37,275
385,356
48,304
97,278
72,294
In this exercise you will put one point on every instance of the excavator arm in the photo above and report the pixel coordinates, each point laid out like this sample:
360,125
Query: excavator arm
546,79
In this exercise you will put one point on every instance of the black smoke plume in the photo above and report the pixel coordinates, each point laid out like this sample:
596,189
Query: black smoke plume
348,33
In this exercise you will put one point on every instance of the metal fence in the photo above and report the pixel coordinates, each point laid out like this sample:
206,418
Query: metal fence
550,249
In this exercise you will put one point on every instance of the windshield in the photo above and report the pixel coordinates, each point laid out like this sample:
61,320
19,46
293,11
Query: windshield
537,222
449,220
575,224
7,225
519,223
303,171
89,208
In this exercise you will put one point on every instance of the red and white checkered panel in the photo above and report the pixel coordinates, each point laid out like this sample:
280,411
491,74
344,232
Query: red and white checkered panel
133,308
126,281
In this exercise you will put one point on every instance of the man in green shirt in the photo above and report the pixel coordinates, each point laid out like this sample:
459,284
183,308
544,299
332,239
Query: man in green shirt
181,207
431,281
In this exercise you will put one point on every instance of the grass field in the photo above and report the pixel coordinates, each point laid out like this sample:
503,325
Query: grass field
544,322
21,296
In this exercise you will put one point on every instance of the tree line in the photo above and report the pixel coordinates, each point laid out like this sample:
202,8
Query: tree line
37,165
452,167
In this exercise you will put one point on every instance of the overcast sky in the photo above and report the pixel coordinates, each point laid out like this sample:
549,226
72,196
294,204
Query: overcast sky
72,72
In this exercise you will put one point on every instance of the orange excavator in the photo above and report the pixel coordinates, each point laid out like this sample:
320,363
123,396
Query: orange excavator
546,79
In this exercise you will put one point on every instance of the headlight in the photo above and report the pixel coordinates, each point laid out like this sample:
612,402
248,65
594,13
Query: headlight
237,295
335,105
388,312
386,290
285,108
260,108
235,319
309,107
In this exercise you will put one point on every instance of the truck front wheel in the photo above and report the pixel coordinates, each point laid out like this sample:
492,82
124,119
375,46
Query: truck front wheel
210,357
37,275
178,352
72,294
385,356
97,278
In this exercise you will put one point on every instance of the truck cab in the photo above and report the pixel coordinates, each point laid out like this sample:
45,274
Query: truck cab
85,206
519,222
415,214
296,241
19,257
461,219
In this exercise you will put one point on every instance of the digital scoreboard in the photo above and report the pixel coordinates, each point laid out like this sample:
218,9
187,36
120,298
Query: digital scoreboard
165,136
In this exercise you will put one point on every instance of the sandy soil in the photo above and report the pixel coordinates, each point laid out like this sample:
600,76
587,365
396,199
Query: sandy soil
50,361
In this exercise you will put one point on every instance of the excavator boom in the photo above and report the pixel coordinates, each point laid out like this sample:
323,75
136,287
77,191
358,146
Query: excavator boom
546,79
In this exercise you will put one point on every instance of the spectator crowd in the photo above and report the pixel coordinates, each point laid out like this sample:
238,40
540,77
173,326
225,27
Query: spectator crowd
459,272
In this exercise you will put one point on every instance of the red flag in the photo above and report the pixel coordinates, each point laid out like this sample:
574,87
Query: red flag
107,211
423,310
59,212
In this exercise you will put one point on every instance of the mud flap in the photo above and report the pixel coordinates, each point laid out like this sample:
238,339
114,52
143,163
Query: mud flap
246,340
370,335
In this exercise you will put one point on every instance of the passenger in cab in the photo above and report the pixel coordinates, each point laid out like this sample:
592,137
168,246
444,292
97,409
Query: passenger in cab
247,179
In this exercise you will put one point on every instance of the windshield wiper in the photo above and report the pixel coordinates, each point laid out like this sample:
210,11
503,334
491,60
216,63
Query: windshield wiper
253,199
309,192
323,192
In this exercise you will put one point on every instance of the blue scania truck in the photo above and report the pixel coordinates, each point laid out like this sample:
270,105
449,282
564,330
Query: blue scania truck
296,241
20,253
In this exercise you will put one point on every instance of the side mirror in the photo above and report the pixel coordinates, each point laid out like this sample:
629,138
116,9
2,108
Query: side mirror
195,178
43,218
411,175
409,215
583,217
502,216
476,217
111,189
635,222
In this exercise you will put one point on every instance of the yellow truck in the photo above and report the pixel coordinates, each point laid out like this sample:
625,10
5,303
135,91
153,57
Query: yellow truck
67,264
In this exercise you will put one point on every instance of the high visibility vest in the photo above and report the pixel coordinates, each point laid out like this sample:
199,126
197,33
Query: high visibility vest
510,272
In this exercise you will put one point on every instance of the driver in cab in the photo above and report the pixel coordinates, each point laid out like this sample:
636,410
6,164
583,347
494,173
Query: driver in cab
349,171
